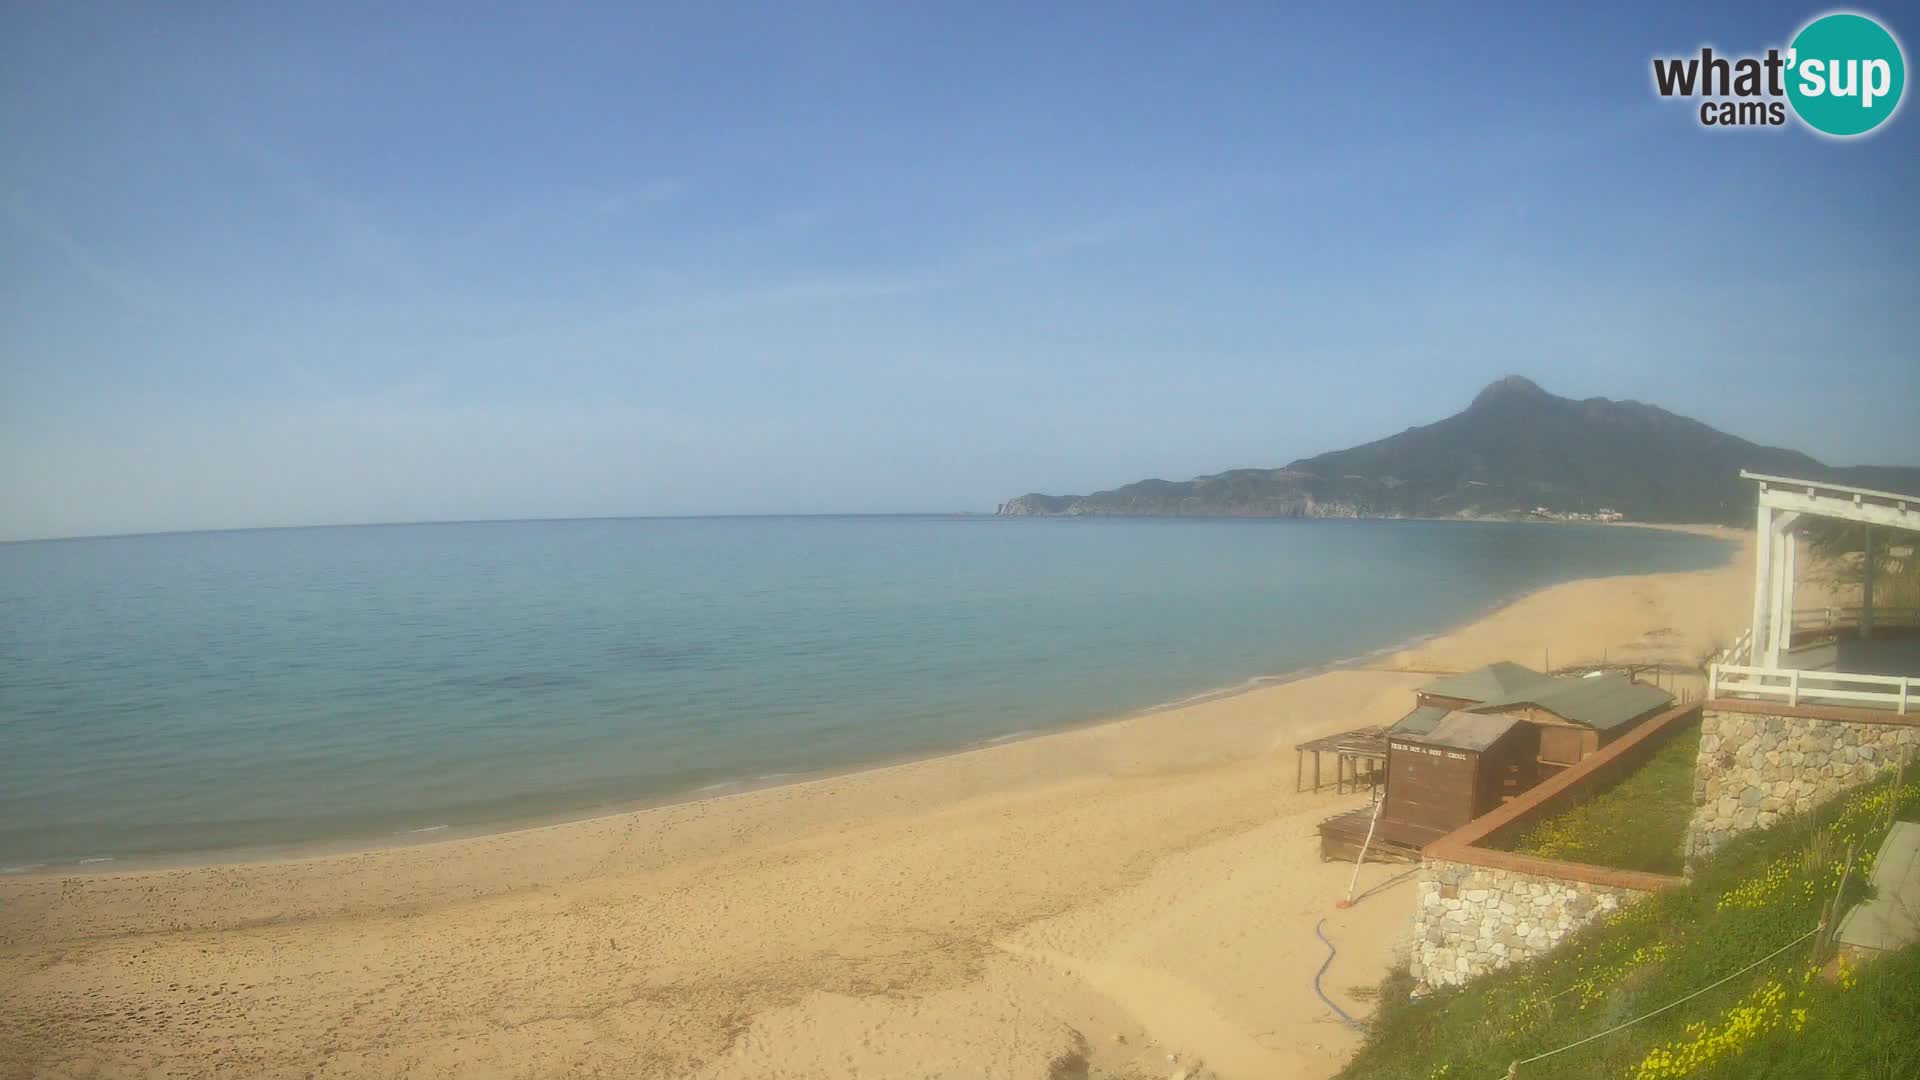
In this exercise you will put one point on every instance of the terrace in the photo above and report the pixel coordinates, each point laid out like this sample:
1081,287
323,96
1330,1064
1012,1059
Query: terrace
1861,656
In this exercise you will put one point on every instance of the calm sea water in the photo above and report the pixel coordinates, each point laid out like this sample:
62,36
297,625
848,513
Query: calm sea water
218,691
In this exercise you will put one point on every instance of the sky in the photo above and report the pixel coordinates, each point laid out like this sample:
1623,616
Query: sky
303,264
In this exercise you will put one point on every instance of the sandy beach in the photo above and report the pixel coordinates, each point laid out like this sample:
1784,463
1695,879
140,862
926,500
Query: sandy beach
1139,896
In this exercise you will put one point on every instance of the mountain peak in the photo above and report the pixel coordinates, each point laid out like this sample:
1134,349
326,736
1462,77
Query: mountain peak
1516,449
1514,387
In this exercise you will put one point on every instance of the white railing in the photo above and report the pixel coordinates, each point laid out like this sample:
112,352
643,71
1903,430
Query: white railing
1741,650
1900,692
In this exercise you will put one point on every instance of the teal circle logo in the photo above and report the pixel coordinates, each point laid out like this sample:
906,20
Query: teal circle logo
1845,74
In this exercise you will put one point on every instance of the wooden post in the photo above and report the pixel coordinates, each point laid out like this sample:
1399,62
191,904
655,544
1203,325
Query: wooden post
1830,923
1299,768
1316,770
1899,781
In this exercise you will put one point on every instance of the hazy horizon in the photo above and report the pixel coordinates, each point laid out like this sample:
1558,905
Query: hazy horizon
268,268
973,511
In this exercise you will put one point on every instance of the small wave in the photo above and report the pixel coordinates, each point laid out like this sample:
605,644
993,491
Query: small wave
22,868
1217,693
520,680
772,776
1009,736
96,859
427,828
724,785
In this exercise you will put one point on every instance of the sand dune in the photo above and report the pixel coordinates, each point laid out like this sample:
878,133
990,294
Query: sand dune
1140,894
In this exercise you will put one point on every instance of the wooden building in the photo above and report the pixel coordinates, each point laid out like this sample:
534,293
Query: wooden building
1464,765
1476,739
1579,716
1470,688
1576,715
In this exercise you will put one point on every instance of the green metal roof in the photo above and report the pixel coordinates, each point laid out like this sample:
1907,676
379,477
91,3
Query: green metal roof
1465,730
1419,721
1601,702
1500,680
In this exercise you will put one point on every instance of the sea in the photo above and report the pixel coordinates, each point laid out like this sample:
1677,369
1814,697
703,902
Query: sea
203,696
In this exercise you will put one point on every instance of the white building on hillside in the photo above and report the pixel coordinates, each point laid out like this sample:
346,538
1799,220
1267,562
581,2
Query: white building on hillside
1863,656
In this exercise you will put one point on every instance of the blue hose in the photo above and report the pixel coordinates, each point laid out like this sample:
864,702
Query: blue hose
1324,965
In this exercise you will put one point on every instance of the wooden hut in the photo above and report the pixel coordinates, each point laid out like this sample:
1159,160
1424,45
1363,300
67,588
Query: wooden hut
1459,767
1476,739
1495,682
1577,716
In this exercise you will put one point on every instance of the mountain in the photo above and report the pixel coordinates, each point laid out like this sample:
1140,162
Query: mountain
1516,448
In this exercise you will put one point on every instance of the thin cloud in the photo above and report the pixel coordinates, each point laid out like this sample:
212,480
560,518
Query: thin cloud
122,284
349,227
572,209
650,193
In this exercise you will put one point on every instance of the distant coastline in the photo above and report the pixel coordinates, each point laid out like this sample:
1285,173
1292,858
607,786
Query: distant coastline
1514,450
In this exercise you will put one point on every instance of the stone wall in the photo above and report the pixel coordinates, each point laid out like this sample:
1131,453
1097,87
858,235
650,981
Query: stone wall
1470,920
1478,909
1758,763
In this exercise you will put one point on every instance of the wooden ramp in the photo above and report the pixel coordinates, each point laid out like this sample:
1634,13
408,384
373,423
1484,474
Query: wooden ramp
1342,835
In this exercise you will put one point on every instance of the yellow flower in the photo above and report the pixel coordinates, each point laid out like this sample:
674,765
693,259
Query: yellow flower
1761,1011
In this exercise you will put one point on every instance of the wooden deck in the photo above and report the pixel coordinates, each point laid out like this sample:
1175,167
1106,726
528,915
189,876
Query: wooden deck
1342,835
1360,756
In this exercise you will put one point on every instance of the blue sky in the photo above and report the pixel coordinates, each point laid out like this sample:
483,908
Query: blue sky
364,264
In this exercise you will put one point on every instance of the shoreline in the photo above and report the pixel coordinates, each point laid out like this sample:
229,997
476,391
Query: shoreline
1120,890
434,834
1528,519
312,851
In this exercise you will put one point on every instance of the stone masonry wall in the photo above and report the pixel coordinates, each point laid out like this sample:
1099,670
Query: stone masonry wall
1470,920
1754,768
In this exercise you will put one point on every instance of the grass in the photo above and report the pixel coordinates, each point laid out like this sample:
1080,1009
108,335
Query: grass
1776,1022
1637,824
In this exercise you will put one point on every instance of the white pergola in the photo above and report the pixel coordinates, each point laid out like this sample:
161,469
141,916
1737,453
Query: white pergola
1784,500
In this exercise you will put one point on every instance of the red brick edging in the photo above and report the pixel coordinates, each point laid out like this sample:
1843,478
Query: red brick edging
1838,713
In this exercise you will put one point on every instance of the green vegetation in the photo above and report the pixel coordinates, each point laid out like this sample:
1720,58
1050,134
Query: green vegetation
1779,1021
1637,824
1515,448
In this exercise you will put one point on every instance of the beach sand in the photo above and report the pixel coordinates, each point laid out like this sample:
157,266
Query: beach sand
1139,895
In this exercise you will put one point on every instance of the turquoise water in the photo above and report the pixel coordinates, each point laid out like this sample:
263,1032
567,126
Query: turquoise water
162,695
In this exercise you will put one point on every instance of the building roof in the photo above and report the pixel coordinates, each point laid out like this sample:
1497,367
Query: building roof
1495,681
1601,702
1465,730
1420,721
